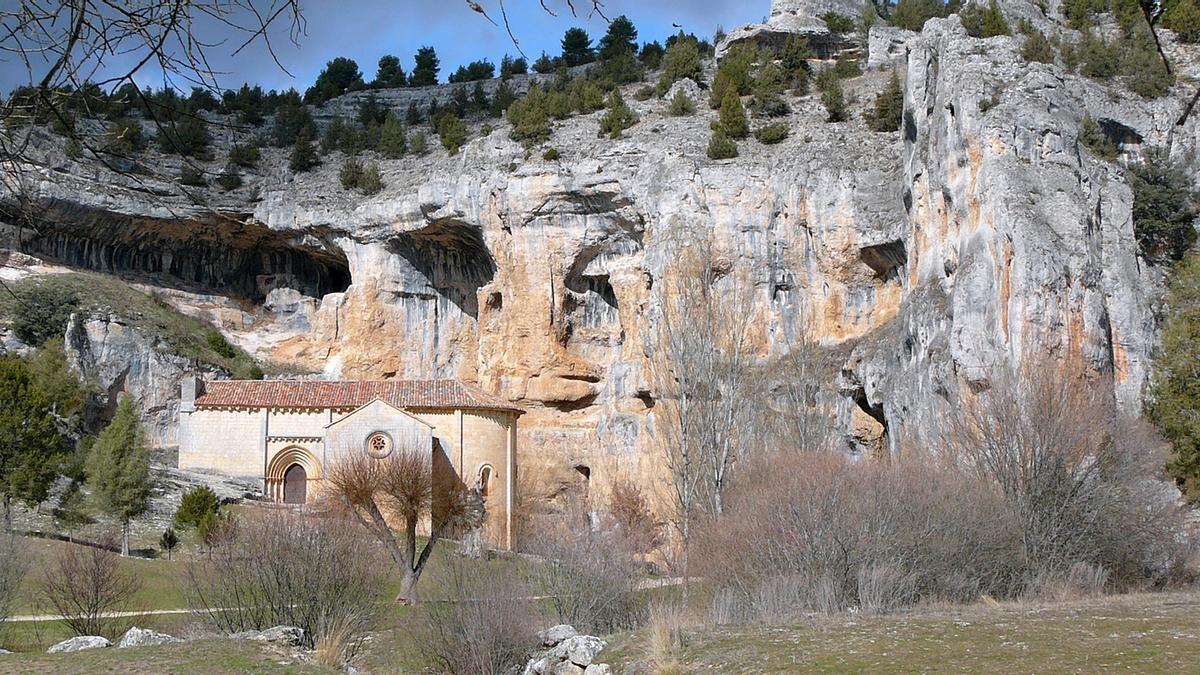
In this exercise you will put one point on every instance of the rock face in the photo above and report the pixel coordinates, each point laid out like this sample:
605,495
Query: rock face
140,637
78,644
921,261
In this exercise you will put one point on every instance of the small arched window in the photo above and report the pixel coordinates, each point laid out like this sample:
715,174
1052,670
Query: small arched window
485,481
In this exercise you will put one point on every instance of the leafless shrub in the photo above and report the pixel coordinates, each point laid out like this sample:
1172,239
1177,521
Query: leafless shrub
485,621
14,563
1081,580
1079,477
636,523
279,567
590,579
820,532
884,587
84,583
1038,482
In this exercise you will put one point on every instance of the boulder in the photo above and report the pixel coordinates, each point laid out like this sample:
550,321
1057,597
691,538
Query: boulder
289,635
79,643
598,669
580,650
569,653
141,637
556,634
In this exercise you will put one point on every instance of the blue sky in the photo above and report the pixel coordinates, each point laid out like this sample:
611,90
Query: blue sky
364,30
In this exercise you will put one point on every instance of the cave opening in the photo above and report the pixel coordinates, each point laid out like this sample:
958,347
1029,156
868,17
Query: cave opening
218,255
453,258
886,259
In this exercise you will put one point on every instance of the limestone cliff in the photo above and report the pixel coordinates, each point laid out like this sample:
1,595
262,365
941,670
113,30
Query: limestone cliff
922,259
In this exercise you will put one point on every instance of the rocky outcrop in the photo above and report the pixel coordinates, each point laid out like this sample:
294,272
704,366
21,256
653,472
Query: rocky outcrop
797,17
290,636
78,644
567,653
141,637
921,260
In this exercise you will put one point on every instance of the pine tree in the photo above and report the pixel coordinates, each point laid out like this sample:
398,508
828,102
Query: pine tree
413,116
733,115
620,38
721,146
118,469
419,146
371,182
389,73
392,141
834,100
577,47
168,541
196,504
618,118
452,132
427,66
29,442
889,106
681,104
304,156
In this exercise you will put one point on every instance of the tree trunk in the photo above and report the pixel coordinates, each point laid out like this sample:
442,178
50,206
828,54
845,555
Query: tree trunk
408,589
687,546
8,514
125,538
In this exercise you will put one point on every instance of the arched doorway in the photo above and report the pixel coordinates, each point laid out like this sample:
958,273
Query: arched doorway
295,485
289,473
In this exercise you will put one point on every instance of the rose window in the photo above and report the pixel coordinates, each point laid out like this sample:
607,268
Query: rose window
379,445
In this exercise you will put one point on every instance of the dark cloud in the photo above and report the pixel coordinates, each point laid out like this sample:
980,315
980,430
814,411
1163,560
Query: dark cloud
364,30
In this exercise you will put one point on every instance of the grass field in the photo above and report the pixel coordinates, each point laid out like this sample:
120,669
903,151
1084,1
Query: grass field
1139,633
1150,633
204,656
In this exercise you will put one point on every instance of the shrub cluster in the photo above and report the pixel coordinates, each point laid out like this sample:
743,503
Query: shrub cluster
984,22
355,176
1040,484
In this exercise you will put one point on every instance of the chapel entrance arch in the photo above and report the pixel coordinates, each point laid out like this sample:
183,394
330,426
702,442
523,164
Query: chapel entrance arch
290,474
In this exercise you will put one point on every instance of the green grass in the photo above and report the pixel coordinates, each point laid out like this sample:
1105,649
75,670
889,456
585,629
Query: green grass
206,656
101,295
36,636
1140,633
162,580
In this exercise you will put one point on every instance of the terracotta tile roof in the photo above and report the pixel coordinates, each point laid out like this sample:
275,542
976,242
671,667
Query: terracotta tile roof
340,394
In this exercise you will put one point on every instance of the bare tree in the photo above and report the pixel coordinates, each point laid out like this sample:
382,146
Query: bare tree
704,374
14,563
74,50
403,486
589,578
795,409
84,583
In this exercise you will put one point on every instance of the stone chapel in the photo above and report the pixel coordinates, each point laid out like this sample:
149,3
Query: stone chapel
288,433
